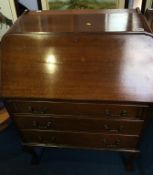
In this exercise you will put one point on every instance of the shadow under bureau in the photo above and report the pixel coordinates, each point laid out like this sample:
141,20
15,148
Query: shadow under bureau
70,84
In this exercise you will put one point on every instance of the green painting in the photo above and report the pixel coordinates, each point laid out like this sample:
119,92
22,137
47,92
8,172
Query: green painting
82,4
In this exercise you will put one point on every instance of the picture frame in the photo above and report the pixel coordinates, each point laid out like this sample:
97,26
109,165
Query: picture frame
46,5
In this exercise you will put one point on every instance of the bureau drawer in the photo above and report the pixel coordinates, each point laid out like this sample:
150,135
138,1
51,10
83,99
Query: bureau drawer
79,124
80,139
69,108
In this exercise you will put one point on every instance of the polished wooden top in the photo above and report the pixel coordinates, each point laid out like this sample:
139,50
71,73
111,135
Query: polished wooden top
96,66
81,21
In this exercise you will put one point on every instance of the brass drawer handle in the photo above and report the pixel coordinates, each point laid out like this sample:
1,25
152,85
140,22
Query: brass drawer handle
40,126
108,128
36,111
88,24
46,140
113,145
40,139
123,113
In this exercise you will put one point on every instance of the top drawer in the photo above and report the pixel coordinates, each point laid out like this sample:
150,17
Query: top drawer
72,108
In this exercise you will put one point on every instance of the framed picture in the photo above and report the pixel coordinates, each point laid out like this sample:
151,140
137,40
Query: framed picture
7,15
82,4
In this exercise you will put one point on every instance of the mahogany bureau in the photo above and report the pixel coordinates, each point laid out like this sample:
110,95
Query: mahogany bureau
79,78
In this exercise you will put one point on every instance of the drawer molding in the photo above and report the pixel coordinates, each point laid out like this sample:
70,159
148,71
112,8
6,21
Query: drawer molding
76,108
81,139
78,124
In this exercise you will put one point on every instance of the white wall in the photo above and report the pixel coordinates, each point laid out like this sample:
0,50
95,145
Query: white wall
31,4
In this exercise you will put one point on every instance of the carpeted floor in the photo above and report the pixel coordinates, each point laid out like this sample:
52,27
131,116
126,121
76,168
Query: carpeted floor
13,161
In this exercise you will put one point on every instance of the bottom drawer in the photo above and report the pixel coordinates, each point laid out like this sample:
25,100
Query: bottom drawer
80,139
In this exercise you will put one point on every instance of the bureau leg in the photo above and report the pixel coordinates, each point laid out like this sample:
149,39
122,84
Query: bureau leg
128,160
140,165
36,157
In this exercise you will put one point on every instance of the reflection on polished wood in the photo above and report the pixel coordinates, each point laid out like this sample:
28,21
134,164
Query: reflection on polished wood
78,66
75,21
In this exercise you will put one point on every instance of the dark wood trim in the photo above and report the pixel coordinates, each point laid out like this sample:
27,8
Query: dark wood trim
39,4
152,5
126,4
143,6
